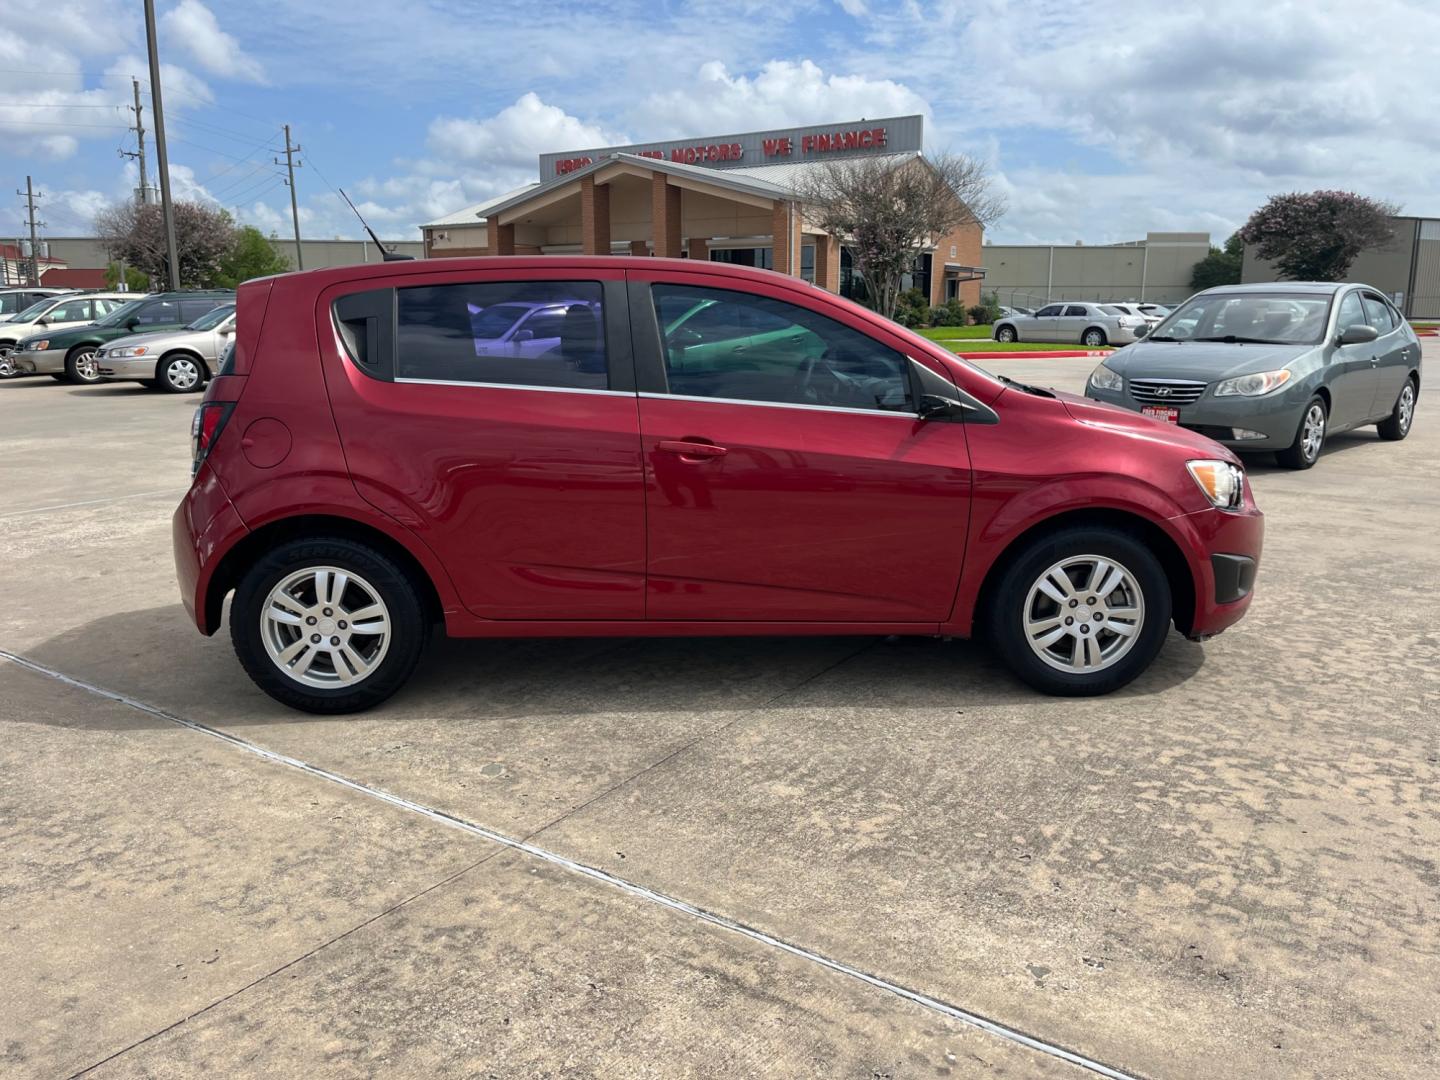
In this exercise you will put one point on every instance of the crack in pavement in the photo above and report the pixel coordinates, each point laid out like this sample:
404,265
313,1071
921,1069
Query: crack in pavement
634,889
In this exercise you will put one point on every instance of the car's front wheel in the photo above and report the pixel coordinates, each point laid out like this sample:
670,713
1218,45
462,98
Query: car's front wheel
328,625
180,374
1397,425
1006,334
80,365
1081,611
1309,437
8,370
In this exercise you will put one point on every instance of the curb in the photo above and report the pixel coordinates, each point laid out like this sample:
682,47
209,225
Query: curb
1058,354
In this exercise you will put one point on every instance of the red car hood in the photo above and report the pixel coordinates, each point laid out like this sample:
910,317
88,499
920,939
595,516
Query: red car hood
1114,418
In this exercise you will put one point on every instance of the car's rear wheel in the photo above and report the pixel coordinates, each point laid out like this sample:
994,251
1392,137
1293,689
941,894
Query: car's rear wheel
1397,425
180,374
1094,337
1081,611
80,365
328,625
1006,333
1309,437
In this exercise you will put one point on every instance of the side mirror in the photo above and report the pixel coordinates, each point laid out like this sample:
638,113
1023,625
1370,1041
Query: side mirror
226,331
1142,330
132,322
1357,335
42,322
524,335
936,407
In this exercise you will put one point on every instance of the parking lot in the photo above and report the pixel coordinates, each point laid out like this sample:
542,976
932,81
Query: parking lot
715,857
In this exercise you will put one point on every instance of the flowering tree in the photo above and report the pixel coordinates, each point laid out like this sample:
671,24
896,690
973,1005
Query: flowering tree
1316,236
136,234
889,212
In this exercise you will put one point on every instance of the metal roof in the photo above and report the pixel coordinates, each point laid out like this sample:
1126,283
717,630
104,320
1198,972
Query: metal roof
475,215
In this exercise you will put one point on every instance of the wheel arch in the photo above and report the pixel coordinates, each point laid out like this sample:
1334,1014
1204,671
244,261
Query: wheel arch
1094,326
253,545
1167,550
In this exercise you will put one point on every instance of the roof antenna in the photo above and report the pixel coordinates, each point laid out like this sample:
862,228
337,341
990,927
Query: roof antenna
386,255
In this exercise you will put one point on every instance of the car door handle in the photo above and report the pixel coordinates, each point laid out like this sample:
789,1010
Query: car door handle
693,450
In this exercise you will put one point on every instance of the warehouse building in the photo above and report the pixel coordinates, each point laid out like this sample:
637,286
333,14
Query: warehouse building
1407,269
1156,269
727,198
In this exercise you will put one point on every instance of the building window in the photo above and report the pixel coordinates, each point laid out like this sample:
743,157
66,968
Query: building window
762,258
516,333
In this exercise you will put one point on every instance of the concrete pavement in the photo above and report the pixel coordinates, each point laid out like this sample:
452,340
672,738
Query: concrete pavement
1226,869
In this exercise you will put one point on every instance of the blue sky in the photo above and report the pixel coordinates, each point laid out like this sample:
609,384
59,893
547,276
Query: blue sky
1099,120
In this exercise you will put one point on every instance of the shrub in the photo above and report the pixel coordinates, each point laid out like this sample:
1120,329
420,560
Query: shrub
912,309
950,313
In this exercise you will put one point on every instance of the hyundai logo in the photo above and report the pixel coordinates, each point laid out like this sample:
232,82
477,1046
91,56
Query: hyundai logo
1163,391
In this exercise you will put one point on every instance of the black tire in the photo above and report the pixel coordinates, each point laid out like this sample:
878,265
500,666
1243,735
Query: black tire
1094,337
409,627
75,364
1006,609
60,377
149,384
1006,333
1397,425
174,367
1302,454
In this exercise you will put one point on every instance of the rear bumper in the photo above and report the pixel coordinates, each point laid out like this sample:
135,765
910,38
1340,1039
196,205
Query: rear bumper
205,526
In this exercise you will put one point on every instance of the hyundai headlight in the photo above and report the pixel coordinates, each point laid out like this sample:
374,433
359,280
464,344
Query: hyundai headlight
1262,382
1222,482
1103,378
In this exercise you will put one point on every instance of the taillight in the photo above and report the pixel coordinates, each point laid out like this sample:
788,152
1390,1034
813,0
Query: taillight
205,428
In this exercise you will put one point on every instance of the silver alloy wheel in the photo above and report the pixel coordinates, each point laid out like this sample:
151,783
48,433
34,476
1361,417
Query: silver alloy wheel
1083,614
7,365
325,627
1312,433
1006,333
85,366
1093,338
1407,406
182,373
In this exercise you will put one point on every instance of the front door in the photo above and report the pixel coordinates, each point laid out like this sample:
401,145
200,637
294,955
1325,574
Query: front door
521,472
788,477
1352,381
1046,324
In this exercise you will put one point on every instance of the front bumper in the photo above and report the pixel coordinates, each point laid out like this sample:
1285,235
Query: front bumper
1229,544
1241,423
46,362
128,367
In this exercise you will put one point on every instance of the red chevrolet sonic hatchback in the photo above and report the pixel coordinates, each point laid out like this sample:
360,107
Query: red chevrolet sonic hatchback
618,446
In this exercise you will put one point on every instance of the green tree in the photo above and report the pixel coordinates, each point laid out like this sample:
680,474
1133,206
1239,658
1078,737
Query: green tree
135,280
252,255
1315,236
1220,267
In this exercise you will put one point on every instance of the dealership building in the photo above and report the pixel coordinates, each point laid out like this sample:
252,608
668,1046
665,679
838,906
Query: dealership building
726,198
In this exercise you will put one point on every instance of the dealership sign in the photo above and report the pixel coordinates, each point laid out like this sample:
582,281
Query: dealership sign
856,138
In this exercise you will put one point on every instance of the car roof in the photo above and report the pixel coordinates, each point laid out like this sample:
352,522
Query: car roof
1320,288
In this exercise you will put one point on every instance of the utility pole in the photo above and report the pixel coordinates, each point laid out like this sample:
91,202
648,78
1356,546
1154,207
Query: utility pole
142,195
290,152
168,207
30,198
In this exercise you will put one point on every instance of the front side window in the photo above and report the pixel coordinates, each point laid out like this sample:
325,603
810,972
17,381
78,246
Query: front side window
70,311
741,347
1049,312
1351,313
512,333
159,313
1377,314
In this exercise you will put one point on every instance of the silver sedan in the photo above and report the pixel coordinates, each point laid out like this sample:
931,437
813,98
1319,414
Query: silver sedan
1092,325
178,361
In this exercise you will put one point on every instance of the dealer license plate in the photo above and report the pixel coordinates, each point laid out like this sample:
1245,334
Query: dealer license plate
1168,413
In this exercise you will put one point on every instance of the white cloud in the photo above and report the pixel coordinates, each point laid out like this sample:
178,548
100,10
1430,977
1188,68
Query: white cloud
194,27
854,8
516,135
782,92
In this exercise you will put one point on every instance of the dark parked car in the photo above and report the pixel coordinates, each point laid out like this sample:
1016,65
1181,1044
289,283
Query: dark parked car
1273,367
790,463
69,355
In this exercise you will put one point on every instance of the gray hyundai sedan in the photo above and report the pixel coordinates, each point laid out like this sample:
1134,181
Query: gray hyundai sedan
1277,366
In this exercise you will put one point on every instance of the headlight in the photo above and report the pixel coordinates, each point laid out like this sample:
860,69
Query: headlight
1222,483
1261,382
1102,378
36,346
131,350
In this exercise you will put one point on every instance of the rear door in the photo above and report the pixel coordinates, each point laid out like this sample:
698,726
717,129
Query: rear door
788,478
1072,324
1392,353
522,473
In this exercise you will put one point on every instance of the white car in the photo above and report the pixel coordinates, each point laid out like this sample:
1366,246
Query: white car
1091,325
54,313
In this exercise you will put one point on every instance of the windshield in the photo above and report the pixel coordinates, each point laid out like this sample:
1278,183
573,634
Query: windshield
34,311
120,314
212,319
1270,318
